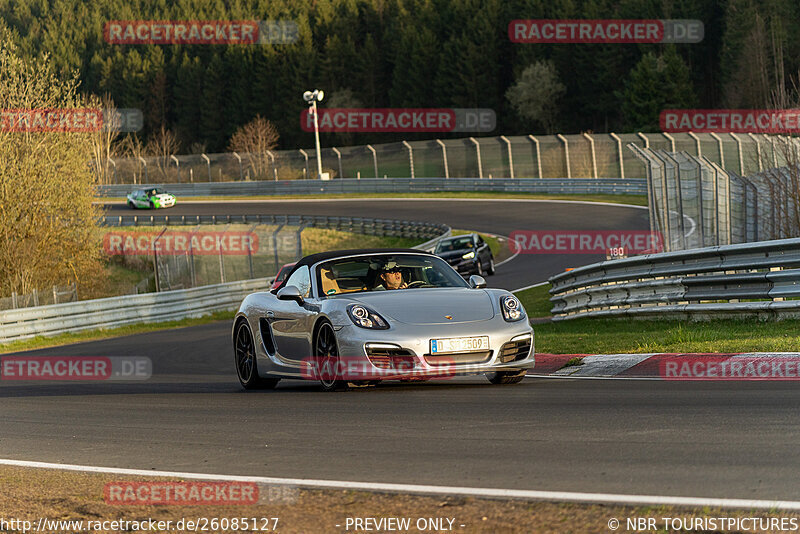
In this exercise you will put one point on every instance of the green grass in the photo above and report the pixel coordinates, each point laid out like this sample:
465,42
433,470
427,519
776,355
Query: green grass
636,200
536,300
67,339
609,336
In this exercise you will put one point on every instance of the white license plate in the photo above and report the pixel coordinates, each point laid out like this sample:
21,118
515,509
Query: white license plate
459,344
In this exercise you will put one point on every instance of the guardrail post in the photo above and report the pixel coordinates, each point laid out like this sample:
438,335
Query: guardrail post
444,158
619,155
374,159
538,154
671,140
566,153
339,157
208,164
410,157
594,158
510,157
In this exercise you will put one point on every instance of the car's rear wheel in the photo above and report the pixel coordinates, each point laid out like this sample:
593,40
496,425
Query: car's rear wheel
244,350
506,377
326,352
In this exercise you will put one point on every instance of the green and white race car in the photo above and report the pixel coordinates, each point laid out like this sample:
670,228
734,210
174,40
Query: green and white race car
151,198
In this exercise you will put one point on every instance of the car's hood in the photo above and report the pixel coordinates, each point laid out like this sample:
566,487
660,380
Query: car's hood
429,305
163,196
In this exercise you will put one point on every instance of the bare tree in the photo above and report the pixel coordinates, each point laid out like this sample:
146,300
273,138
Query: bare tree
162,144
256,138
104,146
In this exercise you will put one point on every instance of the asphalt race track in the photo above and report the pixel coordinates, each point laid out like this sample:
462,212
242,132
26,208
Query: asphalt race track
726,440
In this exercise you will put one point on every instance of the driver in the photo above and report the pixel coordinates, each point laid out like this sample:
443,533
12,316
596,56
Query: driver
390,277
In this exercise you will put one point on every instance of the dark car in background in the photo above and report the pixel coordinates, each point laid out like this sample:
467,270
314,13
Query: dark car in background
283,272
468,254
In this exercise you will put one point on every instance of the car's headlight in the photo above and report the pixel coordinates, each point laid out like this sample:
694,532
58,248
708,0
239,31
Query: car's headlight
366,318
468,255
512,308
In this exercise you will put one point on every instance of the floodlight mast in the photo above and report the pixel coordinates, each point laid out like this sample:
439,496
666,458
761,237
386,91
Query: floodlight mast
312,97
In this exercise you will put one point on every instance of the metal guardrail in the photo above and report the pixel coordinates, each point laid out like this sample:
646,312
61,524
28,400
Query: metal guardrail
577,186
25,323
745,280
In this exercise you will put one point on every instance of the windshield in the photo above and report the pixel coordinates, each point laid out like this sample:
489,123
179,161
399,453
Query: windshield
460,243
385,272
154,192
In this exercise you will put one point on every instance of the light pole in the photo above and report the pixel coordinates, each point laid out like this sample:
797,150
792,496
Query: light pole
312,97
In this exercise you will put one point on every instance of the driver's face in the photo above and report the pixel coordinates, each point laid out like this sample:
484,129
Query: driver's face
392,279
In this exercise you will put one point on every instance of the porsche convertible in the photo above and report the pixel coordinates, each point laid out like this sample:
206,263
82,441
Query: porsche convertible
358,317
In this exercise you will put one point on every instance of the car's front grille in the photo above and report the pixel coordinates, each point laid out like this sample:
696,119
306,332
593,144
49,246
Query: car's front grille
391,357
515,350
459,358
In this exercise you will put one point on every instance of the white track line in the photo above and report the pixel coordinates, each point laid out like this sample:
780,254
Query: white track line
607,498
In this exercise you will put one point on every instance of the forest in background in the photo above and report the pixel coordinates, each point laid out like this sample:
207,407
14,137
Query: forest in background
416,53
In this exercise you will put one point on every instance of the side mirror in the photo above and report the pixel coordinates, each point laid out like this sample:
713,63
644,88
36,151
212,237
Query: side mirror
477,282
290,293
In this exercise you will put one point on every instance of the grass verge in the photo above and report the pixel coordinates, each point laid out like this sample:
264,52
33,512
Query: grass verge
610,336
30,494
636,200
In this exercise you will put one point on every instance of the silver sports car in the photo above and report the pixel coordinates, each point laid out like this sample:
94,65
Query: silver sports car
357,317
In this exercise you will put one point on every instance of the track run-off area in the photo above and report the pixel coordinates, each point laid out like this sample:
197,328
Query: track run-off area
713,440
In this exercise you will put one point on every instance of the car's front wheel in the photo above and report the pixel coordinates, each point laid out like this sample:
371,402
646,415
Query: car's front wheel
326,352
244,351
506,377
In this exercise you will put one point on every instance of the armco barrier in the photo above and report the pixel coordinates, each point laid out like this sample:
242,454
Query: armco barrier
759,279
112,312
573,186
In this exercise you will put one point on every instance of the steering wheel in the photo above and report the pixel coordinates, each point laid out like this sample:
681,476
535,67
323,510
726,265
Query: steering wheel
418,283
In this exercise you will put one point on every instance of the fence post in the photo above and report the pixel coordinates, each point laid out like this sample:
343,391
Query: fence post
299,242
114,163
594,158
374,159
721,149
241,170
177,164
410,157
739,150
772,144
646,140
14,299
619,155
696,142
275,245
510,157
444,157
55,295
208,164
339,157
758,150
155,259
671,140
478,150
538,154
566,154
146,179
272,162
35,297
